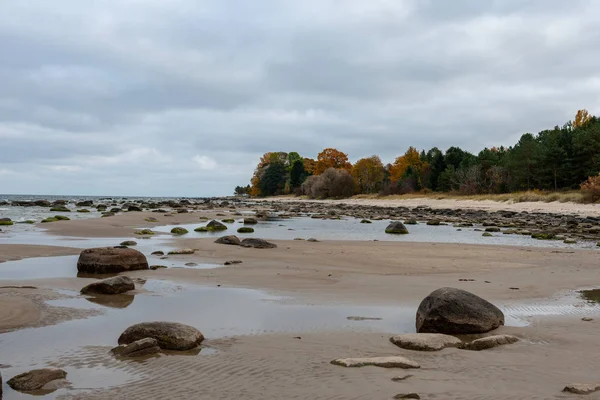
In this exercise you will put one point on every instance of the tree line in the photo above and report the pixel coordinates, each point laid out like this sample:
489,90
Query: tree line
561,158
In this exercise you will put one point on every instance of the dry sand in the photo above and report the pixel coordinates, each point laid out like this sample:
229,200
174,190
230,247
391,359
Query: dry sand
553,352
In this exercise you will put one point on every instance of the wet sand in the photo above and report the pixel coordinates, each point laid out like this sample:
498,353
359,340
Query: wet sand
553,352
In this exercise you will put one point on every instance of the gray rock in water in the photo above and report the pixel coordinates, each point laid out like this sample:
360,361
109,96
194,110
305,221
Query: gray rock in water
139,348
425,341
230,239
216,226
396,227
114,285
129,243
456,311
490,342
36,379
258,243
169,335
107,260
250,221
581,388
383,362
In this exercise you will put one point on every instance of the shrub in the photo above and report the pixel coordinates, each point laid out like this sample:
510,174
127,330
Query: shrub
591,189
336,183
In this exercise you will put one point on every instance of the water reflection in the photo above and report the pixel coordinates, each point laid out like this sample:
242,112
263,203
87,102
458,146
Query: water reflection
112,300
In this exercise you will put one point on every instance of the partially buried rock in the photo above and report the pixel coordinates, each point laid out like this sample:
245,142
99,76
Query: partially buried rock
456,311
383,362
490,342
397,228
230,239
169,335
36,379
106,260
232,262
155,267
425,341
181,252
245,229
582,388
258,243
114,285
407,396
129,243
139,348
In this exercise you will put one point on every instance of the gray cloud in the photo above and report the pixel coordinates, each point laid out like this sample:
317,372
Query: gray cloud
182,98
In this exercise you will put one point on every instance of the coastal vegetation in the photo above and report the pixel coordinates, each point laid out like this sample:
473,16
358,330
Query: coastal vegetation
558,164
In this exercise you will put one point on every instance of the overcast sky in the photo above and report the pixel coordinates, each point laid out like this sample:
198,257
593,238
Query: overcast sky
182,97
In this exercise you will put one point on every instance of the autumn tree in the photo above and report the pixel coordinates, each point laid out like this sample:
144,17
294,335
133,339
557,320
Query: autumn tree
332,158
368,174
582,118
310,166
410,162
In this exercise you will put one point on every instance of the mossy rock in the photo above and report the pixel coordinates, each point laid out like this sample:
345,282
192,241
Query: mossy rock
6,223
107,214
366,221
245,229
29,221
543,236
492,229
83,210
203,219
49,219
215,226
487,234
60,209
228,220
179,231
396,228
410,221
434,222
569,241
150,219
62,218
145,232
201,229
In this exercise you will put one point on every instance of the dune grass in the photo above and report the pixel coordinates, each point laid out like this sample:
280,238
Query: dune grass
574,196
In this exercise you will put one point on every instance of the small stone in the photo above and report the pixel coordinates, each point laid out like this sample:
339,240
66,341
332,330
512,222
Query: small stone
363,318
581,388
129,243
587,319
401,378
158,253
313,240
407,396
383,362
36,379
155,267
490,342
181,251
233,262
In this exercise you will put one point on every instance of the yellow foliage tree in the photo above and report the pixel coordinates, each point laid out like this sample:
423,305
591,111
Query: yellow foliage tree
255,181
310,165
368,174
582,118
332,158
410,159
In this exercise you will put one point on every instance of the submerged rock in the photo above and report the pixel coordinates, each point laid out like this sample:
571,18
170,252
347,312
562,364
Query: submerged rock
383,362
35,379
106,260
139,348
456,311
230,239
114,285
245,229
169,335
425,341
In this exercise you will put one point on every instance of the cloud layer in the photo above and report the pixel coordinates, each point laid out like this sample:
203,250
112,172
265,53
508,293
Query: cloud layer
180,98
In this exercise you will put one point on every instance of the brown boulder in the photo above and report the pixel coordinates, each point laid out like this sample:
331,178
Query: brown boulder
230,239
107,260
35,379
114,285
169,335
258,243
139,348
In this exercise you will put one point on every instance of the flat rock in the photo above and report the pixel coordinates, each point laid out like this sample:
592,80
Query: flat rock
425,341
456,311
169,335
139,348
383,362
407,396
114,285
229,239
582,388
35,379
107,260
256,243
490,342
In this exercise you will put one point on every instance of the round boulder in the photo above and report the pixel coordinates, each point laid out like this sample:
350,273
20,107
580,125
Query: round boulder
107,260
169,335
114,285
455,311
396,227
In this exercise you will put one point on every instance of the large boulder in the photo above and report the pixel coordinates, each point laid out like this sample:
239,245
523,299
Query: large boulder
216,226
139,348
257,243
108,260
35,379
230,239
455,311
396,227
114,285
169,335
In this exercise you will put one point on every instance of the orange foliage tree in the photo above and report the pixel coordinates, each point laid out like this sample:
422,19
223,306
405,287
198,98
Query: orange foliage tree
412,160
582,118
332,158
368,174
310,165
265,160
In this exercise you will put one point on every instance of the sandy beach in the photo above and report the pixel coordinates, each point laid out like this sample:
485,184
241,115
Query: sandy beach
554,350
